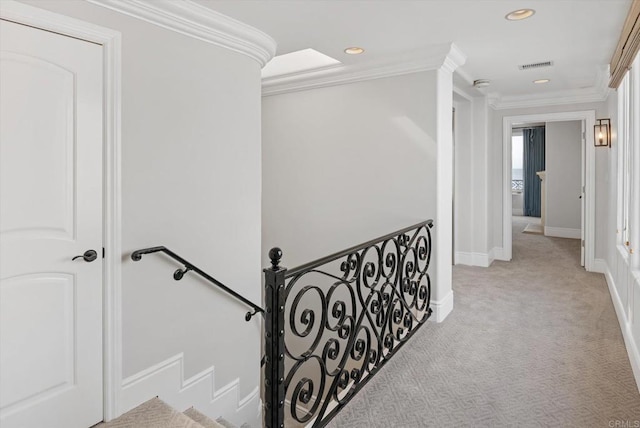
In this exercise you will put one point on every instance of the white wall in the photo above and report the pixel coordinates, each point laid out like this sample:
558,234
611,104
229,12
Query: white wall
471,162
463,158
517,203
563,163
619,265
612,182
345,164
191,180
496,180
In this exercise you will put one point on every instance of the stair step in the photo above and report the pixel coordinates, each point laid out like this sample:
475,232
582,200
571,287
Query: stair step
226,424
202,419
154,413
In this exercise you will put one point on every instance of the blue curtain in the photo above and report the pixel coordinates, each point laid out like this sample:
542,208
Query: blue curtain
533,141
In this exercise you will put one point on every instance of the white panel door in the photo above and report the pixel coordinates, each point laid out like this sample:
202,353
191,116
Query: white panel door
50,211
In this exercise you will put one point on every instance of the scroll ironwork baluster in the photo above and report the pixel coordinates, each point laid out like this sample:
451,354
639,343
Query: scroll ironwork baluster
331,324
274,341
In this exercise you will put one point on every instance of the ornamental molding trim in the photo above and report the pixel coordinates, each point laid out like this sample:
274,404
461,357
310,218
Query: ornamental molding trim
194,20
447,57
454,59
597,93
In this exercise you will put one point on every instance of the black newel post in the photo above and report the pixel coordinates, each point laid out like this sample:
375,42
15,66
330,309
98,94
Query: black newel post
274,341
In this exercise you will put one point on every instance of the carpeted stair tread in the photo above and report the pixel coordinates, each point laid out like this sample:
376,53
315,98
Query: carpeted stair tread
154,413
225,423
202,419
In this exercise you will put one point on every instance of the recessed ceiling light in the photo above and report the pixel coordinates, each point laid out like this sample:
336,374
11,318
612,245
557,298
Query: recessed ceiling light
354,50
519,14
542,81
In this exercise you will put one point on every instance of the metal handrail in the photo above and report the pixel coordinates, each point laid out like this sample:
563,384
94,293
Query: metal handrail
335,256
179,273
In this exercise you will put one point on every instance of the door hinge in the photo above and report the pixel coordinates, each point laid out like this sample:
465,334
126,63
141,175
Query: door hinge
103,252
582,242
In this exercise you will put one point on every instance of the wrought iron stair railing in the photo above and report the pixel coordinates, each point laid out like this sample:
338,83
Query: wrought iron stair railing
331,324
517,185
188,266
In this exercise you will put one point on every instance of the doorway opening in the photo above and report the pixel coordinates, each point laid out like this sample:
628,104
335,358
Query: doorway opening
527,174
578,203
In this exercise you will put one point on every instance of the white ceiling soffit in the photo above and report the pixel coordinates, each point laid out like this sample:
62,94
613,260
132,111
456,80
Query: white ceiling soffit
193,20
296,62
597,93
447,56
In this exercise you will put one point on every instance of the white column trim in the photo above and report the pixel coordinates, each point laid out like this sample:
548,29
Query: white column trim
443,294
112,228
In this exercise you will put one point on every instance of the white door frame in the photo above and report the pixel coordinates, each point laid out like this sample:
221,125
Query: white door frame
111,43
589,116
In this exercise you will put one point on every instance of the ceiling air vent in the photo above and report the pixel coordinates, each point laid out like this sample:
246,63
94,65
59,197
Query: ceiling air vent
535,65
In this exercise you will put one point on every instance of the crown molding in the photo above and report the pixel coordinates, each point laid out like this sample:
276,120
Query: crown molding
549,100
191,19
597,93
454,59
446,56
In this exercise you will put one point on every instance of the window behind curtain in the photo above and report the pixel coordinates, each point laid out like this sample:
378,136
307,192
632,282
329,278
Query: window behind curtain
628,127
517,175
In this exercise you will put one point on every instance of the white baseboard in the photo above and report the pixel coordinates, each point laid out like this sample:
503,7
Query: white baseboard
478,259
518,211
562,232
497,253
166,380
442,308
625,326
491,257
472,259
599,266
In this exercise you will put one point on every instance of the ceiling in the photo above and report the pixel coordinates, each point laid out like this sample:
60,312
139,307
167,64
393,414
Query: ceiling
579,36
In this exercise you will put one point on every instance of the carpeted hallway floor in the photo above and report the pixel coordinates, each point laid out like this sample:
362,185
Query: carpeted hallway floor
531,343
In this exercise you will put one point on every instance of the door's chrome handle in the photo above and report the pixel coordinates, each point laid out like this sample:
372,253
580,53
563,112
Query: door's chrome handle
88,256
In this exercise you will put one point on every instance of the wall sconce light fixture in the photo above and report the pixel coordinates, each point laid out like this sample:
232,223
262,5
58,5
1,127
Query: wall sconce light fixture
602,133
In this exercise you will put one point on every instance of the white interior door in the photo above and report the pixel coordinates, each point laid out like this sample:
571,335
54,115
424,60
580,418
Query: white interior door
582,192
50,211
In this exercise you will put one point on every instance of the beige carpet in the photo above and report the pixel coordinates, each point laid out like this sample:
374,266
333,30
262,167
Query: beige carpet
202,419
534,342
155,413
